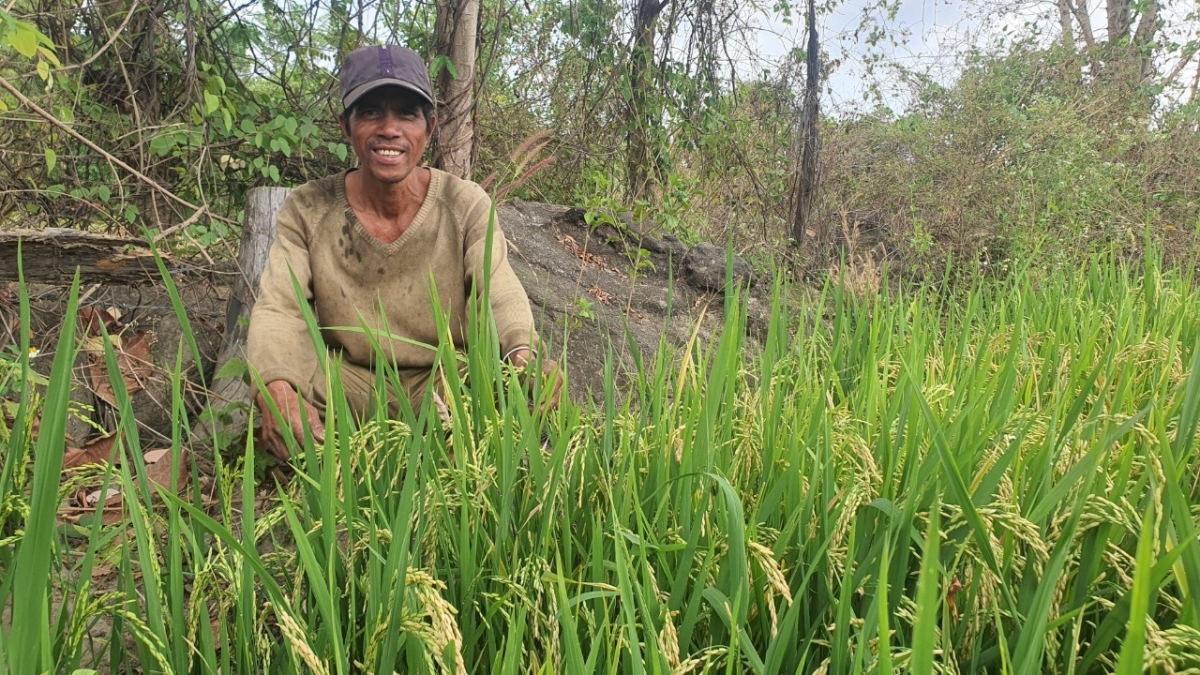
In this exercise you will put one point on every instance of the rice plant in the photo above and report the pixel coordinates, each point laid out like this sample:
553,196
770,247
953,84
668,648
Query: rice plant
997,480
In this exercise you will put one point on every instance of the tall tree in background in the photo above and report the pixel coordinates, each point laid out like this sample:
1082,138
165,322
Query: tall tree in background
1126,55
1131,50
643,113
457,31
810,143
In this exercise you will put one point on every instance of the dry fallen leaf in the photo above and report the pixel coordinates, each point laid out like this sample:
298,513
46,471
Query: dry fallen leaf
96,321
134,360
603,296
93,499
571,246
88,501
95,451
159,468
952,593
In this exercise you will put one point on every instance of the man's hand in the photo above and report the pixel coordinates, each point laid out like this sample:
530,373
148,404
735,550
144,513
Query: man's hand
288,402
552,381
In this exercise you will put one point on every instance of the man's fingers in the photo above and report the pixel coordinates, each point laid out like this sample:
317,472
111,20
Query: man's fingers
551,379
315,424
313,419
274,445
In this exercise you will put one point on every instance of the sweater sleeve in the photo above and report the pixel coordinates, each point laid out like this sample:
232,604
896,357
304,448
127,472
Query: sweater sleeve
510,304
278,344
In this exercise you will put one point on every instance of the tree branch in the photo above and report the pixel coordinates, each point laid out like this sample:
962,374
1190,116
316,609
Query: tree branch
1185,59
1085,22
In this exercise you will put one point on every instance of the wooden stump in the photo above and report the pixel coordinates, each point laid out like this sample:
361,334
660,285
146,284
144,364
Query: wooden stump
231,396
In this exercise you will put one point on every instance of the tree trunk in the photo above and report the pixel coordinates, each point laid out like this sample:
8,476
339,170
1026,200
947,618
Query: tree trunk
54,255
1119,19
643,114
1080,10
1064,22
1125,59
457,29
1143,40
1128,53
230,397
810,145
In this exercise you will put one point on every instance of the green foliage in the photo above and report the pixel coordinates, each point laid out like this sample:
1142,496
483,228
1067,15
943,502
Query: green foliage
241,106
24,38
1028,154
1020,159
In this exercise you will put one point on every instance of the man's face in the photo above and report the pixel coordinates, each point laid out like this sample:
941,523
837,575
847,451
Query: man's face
389,133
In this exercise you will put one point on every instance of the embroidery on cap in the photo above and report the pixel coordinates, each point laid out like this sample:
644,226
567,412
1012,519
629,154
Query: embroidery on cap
385,61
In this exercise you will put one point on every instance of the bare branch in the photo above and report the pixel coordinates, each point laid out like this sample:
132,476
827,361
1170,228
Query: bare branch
1184,60
1085,22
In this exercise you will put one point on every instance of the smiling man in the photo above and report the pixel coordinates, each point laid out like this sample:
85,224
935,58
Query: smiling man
366,246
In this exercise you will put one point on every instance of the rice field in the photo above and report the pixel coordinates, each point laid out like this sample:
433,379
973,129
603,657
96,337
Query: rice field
992,479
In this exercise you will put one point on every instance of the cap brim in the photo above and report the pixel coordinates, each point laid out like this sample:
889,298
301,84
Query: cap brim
357,92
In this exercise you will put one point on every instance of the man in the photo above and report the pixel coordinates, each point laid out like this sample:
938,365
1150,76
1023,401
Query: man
363,245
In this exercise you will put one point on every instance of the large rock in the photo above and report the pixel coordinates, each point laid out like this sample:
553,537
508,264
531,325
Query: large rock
704,267
592,288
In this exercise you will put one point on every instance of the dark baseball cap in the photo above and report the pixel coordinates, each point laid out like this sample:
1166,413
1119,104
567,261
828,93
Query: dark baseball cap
368,68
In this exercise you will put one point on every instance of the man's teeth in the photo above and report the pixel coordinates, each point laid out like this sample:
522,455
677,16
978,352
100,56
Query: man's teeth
389,153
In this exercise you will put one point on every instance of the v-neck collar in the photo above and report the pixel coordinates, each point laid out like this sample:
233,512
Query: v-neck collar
419,220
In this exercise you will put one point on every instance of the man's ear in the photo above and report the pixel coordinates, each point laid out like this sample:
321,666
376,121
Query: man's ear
432,127
343,122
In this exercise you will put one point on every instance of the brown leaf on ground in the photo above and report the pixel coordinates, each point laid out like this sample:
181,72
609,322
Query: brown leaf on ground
103,571
88,502
571,246
133,358
159,468
600,294
97,320
95,451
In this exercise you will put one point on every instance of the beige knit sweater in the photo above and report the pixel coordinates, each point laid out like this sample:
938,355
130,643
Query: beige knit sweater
351,278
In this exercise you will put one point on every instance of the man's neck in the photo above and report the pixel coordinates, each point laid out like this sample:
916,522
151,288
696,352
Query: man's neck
386,210
387,200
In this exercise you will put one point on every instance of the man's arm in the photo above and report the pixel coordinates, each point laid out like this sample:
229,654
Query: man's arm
510,304
278,346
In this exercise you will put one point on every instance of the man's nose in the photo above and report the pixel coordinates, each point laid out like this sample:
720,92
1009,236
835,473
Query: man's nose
391,123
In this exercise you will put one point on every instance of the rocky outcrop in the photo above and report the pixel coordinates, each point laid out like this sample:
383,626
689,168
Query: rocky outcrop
593,287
